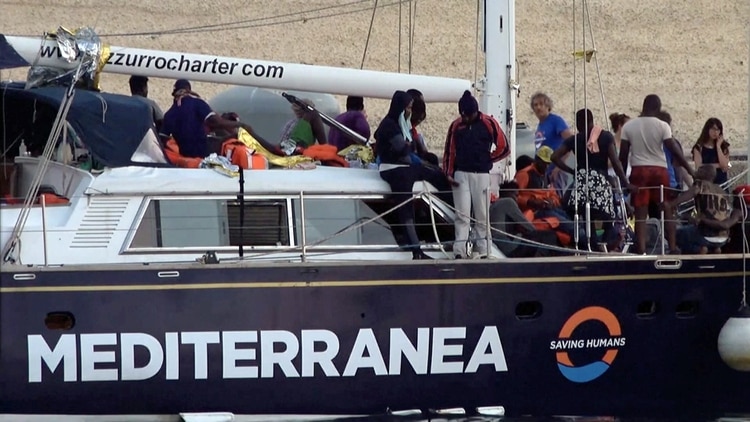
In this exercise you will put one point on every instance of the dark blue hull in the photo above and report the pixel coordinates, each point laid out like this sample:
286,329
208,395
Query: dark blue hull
650,349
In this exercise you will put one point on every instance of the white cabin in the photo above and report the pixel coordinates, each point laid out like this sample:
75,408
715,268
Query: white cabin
151,214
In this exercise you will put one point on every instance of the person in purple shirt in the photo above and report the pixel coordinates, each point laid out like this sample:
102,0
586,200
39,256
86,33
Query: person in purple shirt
355,119
190,119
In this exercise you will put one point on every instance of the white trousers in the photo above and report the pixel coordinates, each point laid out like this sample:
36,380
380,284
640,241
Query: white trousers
472,191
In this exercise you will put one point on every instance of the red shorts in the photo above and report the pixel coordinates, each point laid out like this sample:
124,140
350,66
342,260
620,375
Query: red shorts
649,179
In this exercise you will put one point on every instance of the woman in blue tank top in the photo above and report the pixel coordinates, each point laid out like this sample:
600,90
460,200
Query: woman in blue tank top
712,148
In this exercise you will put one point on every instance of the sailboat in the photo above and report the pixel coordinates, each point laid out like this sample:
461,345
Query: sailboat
152,291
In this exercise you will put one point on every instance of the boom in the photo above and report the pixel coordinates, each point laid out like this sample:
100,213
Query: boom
238,71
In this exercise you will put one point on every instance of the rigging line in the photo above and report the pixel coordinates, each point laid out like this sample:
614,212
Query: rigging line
576,215
239,22
412,25
399,37
219,25
575,87
476,42
587,129
289,20
229,27
369,33
5,126
596,63
745,247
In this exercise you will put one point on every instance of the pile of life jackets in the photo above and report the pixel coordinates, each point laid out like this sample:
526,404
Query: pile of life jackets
247,153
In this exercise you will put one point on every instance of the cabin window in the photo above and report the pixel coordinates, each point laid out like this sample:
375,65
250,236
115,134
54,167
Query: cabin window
327,221
184,223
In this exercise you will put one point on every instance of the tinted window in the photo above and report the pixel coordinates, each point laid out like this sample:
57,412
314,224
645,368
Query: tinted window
212,223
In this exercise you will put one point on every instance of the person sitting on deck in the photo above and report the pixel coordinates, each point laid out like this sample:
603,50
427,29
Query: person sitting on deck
537,196
418,115
190,119
710,228
302,131
393,140
355,118
507,218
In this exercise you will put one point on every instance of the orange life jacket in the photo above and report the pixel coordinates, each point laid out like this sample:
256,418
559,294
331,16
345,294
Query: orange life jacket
327,154
548,223
242,156
172,151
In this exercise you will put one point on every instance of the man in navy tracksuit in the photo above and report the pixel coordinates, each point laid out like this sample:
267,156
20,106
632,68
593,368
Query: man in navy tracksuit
474,142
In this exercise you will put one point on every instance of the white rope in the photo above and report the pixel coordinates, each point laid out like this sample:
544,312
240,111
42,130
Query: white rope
430,197
104,107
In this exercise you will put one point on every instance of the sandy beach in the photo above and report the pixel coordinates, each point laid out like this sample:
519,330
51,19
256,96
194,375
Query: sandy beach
693,54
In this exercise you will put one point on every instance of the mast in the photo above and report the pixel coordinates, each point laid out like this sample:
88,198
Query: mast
498,89
238,71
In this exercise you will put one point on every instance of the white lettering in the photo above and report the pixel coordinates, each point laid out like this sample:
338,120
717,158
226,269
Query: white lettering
365,342
418,356
324,357
201,340
90,357
172,354
256,354
587,343
231,354
64,351
490,339
440,350
128,371
270,357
